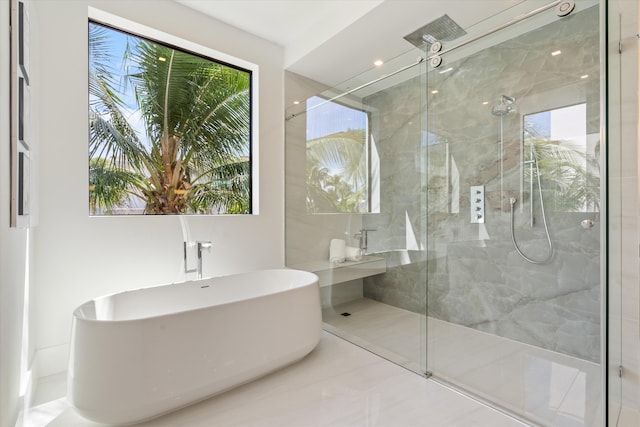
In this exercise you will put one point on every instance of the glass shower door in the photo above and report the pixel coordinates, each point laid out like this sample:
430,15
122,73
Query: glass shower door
513,218
355,178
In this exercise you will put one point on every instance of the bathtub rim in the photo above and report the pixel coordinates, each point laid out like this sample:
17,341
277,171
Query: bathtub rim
77,317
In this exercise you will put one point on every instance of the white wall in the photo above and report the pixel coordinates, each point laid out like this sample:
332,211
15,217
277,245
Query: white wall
14,245
78,257
13,259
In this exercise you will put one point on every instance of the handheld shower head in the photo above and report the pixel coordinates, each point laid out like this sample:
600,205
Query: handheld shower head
500,111
504,106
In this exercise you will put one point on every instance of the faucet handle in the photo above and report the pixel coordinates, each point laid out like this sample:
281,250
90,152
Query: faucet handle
204,244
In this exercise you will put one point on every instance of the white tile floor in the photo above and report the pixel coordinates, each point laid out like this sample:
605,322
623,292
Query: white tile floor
546,387
338,384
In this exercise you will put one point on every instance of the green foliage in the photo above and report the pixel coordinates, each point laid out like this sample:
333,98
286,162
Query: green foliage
108,186
570,177
344,190
570,181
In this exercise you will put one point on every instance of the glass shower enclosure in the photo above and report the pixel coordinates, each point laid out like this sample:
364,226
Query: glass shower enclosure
464,183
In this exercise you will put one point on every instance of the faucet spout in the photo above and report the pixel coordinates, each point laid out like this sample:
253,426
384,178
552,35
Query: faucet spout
362,237
202,245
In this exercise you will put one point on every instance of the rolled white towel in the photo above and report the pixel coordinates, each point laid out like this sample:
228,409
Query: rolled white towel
353,253
337,250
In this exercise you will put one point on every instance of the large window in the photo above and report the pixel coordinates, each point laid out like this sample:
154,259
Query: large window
170,130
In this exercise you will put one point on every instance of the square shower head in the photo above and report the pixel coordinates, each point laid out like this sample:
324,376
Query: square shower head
441,29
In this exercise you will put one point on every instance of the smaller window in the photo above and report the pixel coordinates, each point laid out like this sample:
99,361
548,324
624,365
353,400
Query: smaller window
339,158
557,146
170,130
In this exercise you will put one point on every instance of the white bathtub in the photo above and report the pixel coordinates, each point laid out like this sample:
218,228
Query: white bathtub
139,354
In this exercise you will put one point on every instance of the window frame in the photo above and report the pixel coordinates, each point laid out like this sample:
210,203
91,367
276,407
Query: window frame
372,206
160,37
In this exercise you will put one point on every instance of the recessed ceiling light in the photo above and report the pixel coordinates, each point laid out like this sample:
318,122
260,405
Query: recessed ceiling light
585,76
378,62
556,52
434,91
485,103
296,102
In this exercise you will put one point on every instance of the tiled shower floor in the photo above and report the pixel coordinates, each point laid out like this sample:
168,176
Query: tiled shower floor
544,386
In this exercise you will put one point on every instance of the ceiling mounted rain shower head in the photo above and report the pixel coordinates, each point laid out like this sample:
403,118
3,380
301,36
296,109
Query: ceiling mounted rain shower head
441,29
428,38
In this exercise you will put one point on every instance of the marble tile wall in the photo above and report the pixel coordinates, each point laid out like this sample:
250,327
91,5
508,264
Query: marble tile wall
474,276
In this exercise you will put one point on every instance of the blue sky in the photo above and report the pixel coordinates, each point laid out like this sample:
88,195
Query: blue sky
117,41
541,122
331,117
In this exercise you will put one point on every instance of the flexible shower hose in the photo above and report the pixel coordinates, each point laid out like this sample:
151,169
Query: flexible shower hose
512,201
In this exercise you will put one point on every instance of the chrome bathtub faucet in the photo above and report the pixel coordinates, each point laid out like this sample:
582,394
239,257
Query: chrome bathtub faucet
200,245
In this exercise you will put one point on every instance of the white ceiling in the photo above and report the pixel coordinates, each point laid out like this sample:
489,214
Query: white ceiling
333,40
297,25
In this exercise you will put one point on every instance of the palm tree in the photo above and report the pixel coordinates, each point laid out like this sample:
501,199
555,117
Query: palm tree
570,177
107,186
345,190
196,119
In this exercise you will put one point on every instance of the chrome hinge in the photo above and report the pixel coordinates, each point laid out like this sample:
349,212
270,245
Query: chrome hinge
620,369
428,374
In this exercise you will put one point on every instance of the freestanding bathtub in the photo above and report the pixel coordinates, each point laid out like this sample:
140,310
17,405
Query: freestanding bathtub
139,354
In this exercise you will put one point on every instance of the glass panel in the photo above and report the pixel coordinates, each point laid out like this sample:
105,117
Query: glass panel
513,185
619,159
377,301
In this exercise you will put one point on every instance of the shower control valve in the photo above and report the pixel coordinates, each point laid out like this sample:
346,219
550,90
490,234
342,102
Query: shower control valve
477,204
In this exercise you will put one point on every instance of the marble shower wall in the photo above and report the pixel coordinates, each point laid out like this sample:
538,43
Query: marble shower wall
475,278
